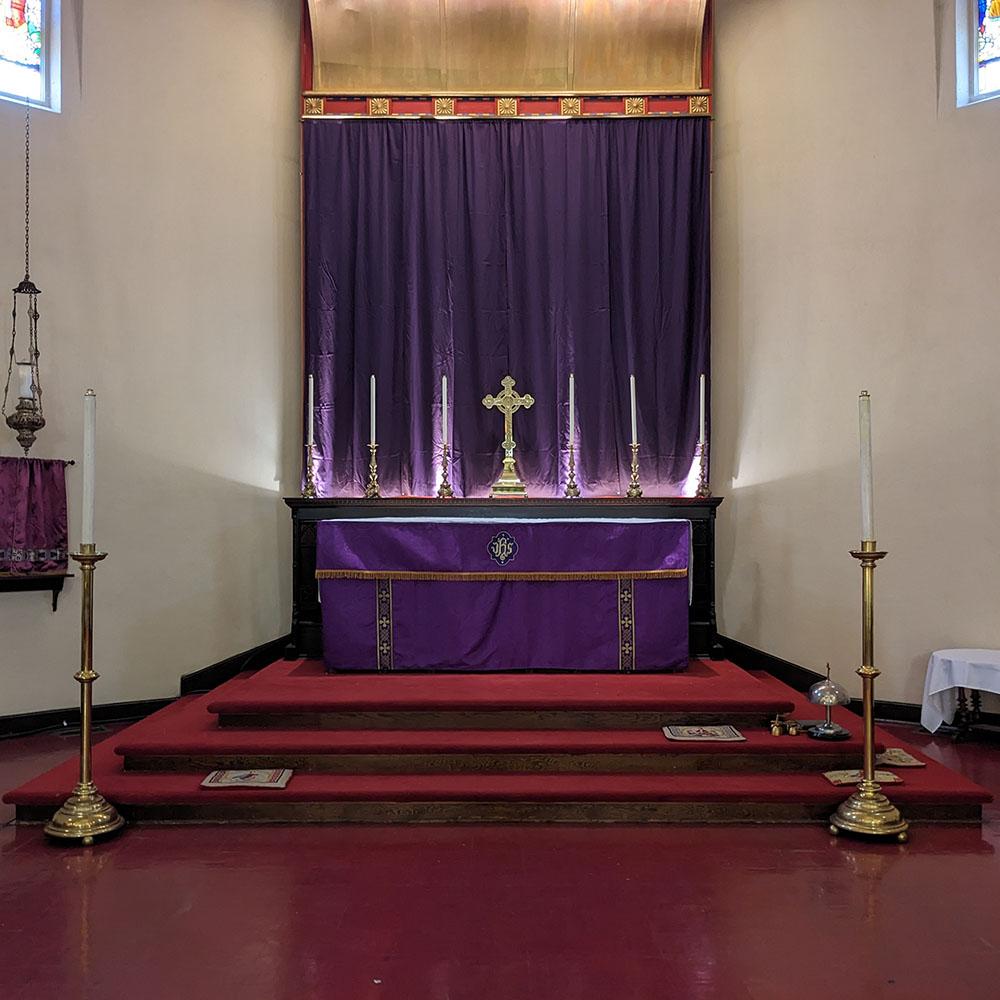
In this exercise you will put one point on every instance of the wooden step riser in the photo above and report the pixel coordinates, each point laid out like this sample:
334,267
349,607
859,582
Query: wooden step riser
506,812
492,720
506,763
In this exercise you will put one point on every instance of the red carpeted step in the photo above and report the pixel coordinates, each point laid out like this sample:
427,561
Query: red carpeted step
302,688
931,784
390,741
746,795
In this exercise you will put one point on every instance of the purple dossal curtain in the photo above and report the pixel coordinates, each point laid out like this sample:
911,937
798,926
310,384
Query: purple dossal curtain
33,533
467,595
482,248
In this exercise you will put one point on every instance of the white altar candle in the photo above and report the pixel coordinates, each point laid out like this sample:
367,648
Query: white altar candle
701,410
444,411
309,423
371,421
635,431
89,436
867,488
572,409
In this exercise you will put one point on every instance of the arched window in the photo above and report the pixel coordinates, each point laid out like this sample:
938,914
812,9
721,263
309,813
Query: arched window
29,52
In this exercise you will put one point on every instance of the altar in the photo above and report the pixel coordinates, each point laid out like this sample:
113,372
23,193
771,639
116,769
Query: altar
309,515
502,594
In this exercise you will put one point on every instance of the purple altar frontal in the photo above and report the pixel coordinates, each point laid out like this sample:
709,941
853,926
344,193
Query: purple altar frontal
464,594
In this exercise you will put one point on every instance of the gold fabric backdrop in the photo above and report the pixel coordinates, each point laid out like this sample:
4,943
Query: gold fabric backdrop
506,46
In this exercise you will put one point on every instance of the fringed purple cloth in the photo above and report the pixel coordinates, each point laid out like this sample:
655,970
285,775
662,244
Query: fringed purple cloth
33,533
469,595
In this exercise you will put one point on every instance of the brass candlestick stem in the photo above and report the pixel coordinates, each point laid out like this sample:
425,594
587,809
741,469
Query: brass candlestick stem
371,490
445,492
704,490
868,811
572,490
86,814
634,489
309,490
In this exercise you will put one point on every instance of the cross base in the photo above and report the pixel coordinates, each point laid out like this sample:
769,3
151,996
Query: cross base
509,484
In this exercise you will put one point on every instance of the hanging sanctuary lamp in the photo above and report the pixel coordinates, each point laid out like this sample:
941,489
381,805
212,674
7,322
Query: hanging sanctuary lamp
26,419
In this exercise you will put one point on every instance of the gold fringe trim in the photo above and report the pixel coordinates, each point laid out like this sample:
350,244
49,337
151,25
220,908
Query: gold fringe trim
371,574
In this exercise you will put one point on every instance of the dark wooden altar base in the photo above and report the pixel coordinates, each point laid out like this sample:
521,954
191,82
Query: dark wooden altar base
307,635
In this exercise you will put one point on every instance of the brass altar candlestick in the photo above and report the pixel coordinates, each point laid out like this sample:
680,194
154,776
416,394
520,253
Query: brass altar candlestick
868,811
634,489
572,490
445,492
309,490
86,814
704,490
371,490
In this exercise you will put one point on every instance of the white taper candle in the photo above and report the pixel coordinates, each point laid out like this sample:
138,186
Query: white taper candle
635,430
371,421
867,487
701,409
89,438
309,419
444,411
572,409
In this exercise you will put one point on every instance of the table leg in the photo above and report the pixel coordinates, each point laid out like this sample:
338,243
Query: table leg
961,721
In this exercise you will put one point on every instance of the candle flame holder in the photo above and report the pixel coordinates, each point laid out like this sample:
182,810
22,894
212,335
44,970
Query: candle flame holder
634,491
86,814
309,490
868,811
445,492
372,490
572,490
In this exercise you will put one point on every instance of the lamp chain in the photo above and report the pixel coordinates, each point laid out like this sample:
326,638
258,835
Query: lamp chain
27,190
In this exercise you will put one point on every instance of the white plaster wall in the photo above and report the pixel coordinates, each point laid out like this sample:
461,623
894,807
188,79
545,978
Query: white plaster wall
166,244
856,245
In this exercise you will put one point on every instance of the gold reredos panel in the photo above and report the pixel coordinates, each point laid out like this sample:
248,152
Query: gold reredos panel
506,46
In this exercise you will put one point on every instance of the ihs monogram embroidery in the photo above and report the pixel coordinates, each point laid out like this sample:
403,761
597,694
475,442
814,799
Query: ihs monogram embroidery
502,548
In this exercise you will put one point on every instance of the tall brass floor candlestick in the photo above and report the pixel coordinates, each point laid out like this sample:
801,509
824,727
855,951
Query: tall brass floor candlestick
86,814
445,492
634,488
371,490
868,811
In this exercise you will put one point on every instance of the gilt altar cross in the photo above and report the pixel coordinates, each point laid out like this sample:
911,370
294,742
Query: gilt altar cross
508,402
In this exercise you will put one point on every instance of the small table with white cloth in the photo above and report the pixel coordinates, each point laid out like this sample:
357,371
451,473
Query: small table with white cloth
950,672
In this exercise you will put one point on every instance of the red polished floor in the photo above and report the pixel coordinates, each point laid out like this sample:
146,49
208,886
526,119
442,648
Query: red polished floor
484,913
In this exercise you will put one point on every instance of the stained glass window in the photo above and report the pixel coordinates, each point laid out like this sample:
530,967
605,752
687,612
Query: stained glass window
988,48
22,49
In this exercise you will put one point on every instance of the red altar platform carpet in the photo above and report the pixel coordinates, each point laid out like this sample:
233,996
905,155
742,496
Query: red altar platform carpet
473,748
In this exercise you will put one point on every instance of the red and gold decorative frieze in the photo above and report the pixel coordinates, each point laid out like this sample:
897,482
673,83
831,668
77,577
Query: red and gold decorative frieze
529,106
